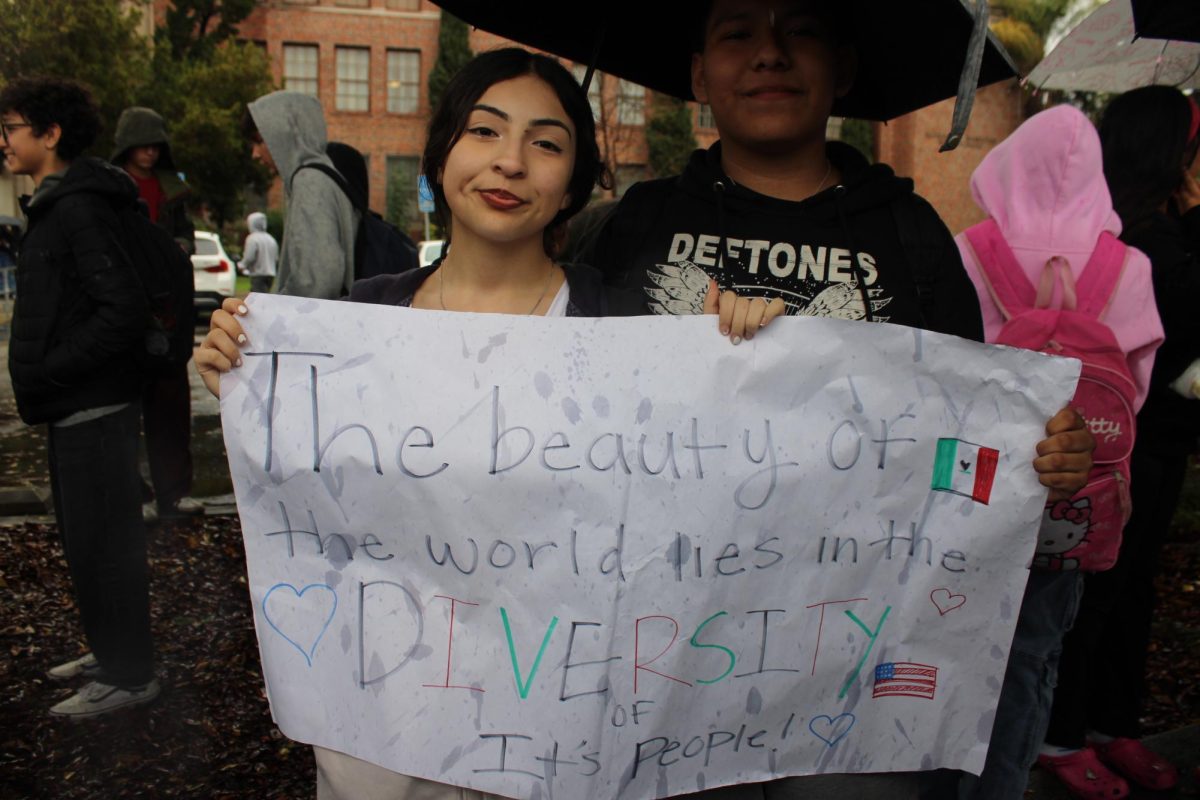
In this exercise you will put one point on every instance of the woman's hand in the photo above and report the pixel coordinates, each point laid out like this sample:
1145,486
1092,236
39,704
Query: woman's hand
1064,457
740,317
221,349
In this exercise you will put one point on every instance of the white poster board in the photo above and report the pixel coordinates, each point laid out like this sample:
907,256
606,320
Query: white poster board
599,558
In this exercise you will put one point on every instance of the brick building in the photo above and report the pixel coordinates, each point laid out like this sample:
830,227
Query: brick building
368,61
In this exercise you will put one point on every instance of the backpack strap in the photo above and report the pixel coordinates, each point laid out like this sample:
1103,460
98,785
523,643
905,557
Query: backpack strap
337,178
1101,275
1003,276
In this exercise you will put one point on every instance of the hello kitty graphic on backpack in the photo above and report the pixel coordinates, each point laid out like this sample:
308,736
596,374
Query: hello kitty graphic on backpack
1106,391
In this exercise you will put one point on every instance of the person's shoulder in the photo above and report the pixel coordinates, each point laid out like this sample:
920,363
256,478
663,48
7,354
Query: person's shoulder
390,290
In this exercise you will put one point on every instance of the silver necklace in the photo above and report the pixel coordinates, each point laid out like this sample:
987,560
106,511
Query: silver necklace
541,297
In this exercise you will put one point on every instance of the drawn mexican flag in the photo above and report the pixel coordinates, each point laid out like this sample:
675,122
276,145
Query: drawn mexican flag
965,468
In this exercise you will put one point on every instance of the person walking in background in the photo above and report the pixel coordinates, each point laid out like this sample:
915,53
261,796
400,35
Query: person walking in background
259,253
1150,138
78,321
143,151
286,131
1051,224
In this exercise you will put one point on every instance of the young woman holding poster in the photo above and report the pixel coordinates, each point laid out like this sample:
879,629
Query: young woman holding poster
511,156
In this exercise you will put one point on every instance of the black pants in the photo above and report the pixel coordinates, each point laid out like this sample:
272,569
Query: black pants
97,500
1101,682
261,283
167,416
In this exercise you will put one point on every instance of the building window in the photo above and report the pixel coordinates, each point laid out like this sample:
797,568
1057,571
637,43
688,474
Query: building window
704,117
353,79
631,103
403,81
402,174
300,68
580,72
404,5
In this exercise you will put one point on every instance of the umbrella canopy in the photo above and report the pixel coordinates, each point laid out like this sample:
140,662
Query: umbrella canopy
910,54
1101,54
1167,19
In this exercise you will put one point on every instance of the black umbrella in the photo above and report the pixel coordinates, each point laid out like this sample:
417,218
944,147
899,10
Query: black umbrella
910,53
1167,19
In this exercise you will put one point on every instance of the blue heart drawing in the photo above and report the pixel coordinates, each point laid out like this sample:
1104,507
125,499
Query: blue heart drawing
834,730
307,653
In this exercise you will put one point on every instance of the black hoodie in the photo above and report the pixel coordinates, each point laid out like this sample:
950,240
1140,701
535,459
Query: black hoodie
80,311
837,254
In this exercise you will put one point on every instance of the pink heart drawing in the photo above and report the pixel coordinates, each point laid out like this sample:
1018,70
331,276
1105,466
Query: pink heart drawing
946,601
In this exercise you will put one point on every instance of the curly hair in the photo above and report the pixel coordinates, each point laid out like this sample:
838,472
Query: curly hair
55,101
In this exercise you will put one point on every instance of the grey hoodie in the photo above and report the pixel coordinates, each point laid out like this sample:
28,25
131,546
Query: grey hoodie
261,251
317,258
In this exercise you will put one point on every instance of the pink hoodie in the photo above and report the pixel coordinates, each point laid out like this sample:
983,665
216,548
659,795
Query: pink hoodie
1044,186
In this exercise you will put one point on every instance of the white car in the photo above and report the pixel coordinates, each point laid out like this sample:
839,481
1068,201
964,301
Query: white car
430,251
212,272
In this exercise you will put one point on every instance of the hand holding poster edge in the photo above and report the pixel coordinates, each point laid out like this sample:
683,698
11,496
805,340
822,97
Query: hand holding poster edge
463,335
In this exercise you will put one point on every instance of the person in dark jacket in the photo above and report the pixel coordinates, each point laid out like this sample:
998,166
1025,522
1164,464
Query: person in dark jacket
78,321
1150,139
775,213
143,151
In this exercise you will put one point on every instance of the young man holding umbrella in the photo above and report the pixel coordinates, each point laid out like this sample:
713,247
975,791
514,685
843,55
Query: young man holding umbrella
774,211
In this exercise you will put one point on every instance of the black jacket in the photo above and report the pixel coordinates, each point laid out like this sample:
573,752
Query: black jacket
143,126
1168,421
853,251
588,296
80,311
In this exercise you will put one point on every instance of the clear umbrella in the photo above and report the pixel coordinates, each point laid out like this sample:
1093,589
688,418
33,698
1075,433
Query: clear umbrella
1103,54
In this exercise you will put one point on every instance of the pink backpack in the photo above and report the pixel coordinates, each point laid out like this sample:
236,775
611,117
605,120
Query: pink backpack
1085,531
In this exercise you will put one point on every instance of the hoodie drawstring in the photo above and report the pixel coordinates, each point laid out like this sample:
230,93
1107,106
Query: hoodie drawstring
860,275
718,188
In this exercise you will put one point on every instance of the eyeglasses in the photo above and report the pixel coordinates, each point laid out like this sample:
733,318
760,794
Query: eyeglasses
7,127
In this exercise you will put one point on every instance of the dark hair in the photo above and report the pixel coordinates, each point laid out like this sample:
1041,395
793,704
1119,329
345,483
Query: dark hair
838,15
1144,136
249,127
55,101
449,120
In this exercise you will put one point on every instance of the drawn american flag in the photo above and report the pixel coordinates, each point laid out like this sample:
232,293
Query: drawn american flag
905,679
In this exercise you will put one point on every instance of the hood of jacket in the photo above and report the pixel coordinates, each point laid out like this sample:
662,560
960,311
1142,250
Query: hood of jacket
292,125
1044,185
865,186
138,126
257,222
87,174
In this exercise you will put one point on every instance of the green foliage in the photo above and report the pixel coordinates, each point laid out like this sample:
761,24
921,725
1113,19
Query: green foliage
1037,15
860,134
402,192
203,100
669,136
95,42
1022,27
454,51
193,28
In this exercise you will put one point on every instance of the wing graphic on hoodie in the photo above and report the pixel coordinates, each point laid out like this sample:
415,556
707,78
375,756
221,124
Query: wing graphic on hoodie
845,301
680,288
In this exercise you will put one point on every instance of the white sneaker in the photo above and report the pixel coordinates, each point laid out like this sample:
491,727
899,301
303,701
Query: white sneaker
84,665
186,507
150,512
98,698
